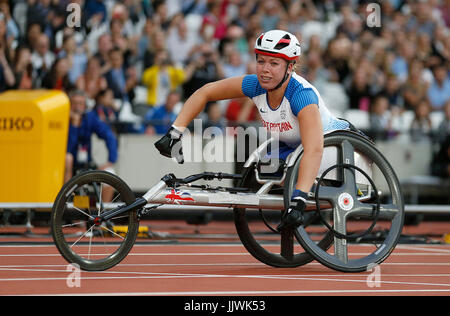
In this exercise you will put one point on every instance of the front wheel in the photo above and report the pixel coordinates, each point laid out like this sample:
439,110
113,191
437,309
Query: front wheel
78,237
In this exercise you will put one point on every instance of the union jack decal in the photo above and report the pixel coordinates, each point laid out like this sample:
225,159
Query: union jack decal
177,197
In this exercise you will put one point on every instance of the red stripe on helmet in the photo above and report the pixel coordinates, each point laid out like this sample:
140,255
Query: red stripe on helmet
279,55
284,40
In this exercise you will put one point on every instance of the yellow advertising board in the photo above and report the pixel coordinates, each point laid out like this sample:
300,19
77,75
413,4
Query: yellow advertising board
33,141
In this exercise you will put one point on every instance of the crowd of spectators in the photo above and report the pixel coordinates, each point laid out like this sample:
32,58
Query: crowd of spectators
118,49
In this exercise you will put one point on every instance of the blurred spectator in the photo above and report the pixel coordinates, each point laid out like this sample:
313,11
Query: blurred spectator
82,125
161,15
105,45
299,12
118,37
56,23
407,59
203,68
421,21
105,107
359,92
439,90
161,78
12,29
415,88
158,120
79,36
38,10
241,111
351,25
77,58
34,30
438,42
235,40
271,14
96,11
315,71
23,69
214,117
180,41
42,58
122,81
336,58
58,76
444,127
214,25
155,42
6,40
6,74
129,16
440,165
92,81
234,66
392,90
405,55
445,12
421,125
193,7
424,49
380,118
146,43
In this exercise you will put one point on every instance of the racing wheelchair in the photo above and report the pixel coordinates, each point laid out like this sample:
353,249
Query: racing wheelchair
356,199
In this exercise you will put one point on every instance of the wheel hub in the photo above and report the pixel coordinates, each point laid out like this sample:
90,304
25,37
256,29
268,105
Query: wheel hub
345,201
97,221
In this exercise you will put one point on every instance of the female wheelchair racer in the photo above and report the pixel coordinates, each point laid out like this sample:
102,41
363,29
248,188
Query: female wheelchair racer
290,107
326,166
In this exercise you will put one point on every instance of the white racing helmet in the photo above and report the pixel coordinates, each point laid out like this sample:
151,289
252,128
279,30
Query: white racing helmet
278,43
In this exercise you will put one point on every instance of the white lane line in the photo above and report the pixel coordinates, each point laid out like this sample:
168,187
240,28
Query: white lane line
244,293
33,266
139,254
139,275
206,254
424,248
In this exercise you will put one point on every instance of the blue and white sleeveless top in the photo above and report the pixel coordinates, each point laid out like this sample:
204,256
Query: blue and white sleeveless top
282,122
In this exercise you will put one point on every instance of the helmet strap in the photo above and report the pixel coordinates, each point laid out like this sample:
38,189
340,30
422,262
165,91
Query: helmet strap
286,76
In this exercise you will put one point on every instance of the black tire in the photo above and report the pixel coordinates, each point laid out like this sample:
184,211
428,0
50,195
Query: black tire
393,211
256,247
97,238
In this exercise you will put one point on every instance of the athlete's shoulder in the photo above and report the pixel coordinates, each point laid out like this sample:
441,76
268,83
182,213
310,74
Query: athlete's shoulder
297,83
300,93
251,87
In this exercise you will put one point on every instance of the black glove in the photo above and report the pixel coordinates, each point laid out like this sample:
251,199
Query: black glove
293,217
170,145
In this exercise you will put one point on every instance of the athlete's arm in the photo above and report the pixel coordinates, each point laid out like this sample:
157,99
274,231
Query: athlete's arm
311,133
218,90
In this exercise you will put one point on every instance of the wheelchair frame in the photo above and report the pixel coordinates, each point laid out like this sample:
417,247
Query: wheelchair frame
172,190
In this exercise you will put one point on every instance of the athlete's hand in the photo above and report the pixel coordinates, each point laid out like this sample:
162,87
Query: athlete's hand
170,145
293,217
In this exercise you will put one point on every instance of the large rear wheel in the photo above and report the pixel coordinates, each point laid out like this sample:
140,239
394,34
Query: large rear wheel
256,230
367,208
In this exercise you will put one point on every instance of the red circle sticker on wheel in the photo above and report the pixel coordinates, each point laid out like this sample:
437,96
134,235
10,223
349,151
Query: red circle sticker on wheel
345,201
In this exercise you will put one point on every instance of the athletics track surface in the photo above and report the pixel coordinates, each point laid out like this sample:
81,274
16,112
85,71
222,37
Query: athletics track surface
207,268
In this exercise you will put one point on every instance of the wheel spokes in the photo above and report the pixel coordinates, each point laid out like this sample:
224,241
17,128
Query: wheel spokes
287,244
86,229
349,179
340,225
368,210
